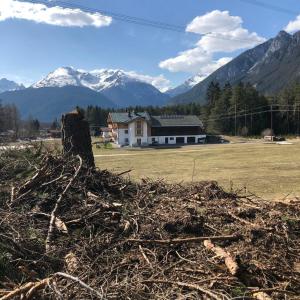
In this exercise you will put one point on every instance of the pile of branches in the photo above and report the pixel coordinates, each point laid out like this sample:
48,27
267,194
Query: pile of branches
71,232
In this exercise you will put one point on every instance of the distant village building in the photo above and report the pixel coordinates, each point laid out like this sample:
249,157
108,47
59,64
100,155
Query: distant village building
106,134
141,129
54,133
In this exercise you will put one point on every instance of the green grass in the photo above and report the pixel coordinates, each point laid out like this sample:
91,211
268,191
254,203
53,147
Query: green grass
268,170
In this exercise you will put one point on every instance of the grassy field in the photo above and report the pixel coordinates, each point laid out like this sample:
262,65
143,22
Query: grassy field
269,170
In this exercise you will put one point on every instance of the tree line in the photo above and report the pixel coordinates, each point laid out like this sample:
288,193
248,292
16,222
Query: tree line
11,125
232,110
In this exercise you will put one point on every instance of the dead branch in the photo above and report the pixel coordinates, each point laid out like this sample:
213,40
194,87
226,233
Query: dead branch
261,296
187,240
123,173
230,262
189,286
53,213
29,288
84,285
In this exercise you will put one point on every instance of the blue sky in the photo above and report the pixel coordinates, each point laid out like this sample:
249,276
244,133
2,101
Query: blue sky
32,48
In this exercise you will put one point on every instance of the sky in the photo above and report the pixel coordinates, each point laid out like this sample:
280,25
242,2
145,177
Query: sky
36,39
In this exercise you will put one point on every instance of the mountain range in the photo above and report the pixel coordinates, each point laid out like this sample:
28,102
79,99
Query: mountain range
66,87
270,67
8,85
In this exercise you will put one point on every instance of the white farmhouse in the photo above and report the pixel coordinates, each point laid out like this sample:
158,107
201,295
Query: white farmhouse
105,133
141,129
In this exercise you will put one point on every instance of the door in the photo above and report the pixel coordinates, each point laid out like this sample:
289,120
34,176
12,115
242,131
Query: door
191,140
139,142
166,140
180,140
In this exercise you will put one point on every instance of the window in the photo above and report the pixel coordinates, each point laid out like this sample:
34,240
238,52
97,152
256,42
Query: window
126,131
171,139
153,140
138,128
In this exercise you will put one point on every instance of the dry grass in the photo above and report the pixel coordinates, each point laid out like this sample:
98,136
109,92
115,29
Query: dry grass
268,170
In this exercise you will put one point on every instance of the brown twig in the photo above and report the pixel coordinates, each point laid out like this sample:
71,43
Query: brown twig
76,279
189,286
187,240
230,262
29,288
53,213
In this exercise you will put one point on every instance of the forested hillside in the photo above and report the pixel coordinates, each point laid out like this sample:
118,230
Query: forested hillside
270,67
237,110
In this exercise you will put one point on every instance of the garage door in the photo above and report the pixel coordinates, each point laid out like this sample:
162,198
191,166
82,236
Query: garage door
180,140
191,140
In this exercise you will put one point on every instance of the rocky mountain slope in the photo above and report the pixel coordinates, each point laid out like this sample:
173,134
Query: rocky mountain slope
8,85
270,67
185,87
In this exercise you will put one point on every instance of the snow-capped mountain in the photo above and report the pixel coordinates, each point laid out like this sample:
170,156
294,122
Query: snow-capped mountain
8,85
123,88
97,80
186,86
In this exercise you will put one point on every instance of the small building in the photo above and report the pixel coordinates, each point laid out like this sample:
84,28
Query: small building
141,129
54,133
106,134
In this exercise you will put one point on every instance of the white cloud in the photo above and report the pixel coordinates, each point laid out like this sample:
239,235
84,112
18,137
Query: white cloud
230,41
160,82
193,61
187,61
221,33
214,21
293,26
59,16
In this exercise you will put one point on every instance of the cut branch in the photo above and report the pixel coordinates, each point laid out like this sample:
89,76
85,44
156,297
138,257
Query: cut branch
230,262
28,288
189,286
187,240
84,285
53,213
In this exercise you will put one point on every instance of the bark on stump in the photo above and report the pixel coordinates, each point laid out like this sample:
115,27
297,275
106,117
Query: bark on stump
76,138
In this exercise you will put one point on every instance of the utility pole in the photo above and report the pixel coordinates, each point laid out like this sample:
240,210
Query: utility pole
245,125
272,119
235,119
298,119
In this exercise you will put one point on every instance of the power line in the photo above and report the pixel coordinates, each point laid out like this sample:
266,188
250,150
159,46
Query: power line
116,16
271,7
134,20
248,114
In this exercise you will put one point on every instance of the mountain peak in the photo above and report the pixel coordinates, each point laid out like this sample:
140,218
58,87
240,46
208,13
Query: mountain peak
9,85
269,67
122,87
282,34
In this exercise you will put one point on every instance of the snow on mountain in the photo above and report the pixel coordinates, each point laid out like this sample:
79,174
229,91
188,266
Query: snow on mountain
8,85
122,87
186,86
97,80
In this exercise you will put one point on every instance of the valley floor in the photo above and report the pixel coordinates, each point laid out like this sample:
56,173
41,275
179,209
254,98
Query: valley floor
269,170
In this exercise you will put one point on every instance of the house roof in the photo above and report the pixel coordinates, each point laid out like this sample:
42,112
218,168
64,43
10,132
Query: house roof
128,117
105,129
175,120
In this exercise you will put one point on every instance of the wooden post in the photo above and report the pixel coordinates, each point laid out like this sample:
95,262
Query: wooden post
76,139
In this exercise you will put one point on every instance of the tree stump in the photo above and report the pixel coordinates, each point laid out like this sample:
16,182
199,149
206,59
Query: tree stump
76,138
